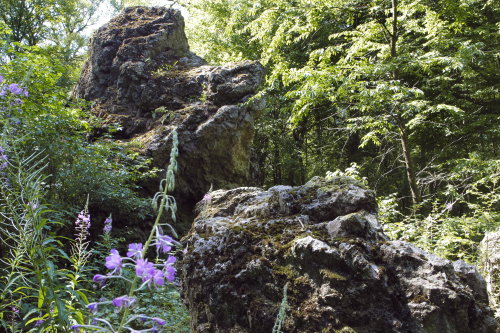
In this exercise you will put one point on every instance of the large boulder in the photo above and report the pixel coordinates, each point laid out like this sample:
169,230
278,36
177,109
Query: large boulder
324,242
143,80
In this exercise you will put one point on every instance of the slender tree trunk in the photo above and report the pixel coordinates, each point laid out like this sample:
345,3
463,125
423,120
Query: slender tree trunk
410,171
277,158
394,35
403,132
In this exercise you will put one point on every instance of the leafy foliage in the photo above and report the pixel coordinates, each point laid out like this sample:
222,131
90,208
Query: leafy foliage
49,122
402,94
408,90
32,286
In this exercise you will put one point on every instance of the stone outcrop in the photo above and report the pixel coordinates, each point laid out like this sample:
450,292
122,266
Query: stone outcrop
324,241
142,78
489,264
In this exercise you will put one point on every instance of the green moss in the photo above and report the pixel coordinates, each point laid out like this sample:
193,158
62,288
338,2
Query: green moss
169,71
326,273
334,184
204,235
301,280
287,271
419,299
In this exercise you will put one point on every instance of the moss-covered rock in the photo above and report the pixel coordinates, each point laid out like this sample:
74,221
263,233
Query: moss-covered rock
343,274
142,76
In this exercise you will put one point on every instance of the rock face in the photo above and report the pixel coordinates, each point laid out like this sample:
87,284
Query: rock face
343,274
489,262
142,77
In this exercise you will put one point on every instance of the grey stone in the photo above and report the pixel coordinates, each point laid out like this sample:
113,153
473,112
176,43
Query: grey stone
360,224
142,76
489,264
343,275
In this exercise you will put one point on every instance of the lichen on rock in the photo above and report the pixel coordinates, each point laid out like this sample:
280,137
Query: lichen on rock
324,240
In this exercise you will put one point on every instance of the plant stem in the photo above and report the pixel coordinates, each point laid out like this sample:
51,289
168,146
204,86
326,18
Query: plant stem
133,286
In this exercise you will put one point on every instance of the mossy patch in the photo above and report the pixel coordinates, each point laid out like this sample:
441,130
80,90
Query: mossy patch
334,184
419,299
331,275
287,271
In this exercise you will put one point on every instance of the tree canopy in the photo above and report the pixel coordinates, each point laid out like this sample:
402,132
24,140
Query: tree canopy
405,89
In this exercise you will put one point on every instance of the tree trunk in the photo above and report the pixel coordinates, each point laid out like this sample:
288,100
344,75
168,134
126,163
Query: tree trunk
403,133
410,171
394,35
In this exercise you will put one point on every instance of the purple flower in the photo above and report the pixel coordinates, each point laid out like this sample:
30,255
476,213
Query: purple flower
135,250
144,269
123,302
1,78
207,198
168,269
164,243
92,307
170,260
15,89
158,278
39,322
75,328
99,278
108,225
148,273
82,225
3,159
169,273
83,218
159,321
16,101
114,261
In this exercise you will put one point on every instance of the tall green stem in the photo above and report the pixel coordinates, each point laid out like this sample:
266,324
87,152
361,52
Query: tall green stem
161,208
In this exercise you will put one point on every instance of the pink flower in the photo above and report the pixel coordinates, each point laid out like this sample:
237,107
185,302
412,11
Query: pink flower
169,273
114,261
158,278
164,243
134,250
123,301
144,269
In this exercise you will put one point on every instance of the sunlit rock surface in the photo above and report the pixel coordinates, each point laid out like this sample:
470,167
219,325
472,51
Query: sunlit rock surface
489,261
343,273
142,77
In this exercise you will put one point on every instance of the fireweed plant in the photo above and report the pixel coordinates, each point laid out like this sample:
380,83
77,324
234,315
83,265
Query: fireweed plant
146,274
36,294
